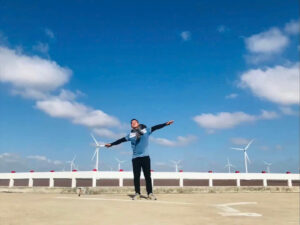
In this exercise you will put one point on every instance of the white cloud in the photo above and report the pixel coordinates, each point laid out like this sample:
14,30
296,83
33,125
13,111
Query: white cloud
97,118
278,84
31,76
106,133
231,96
8,157
226,120
41,47
268,115
49,33
76,112
287,110
293,27
34,77
264,147
222,29
57,162
5,154
57,107
258,58
45,159
266,45
270,41
186,35
239,141
12,161
180,141
67,95
37,157
222,120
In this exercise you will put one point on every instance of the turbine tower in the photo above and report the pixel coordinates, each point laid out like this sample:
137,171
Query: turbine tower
176,163
72,164
119,163
246,158
229,165
96,153
268,166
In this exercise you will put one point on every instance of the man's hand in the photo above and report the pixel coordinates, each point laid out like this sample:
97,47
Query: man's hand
107,145
170,122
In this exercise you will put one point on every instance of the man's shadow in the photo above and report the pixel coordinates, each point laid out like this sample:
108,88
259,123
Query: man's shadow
131,196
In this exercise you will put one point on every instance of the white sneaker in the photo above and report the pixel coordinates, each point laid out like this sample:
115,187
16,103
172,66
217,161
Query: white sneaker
137,196
151,196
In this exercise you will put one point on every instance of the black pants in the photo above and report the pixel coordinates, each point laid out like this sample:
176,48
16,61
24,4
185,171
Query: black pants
138,164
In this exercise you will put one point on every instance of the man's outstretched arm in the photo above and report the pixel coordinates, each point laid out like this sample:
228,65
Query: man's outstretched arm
159,126
119,141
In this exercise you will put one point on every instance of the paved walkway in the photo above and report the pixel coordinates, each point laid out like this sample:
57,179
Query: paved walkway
169,209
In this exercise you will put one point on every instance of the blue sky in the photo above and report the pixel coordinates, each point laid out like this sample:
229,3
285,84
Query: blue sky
226,72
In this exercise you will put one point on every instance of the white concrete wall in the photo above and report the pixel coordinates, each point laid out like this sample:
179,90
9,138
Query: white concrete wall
155,175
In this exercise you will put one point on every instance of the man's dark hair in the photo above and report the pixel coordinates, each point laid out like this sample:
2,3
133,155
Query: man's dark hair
133,120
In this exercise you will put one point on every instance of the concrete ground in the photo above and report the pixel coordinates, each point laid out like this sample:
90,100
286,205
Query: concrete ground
169,209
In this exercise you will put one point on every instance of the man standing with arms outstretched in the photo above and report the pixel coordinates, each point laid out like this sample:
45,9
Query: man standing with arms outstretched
139,138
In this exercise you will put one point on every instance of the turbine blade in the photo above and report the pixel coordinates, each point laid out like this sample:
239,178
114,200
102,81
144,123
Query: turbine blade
248,145
73,159
239,149
247,157
95,153
94,139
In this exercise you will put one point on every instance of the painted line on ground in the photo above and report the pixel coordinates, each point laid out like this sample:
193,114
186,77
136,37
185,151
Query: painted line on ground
227,210
127,200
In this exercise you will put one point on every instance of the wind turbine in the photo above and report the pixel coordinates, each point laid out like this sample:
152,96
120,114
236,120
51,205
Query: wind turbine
246,158
76,167
176,163
96,153
72,164
268,166
119,163
229,165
